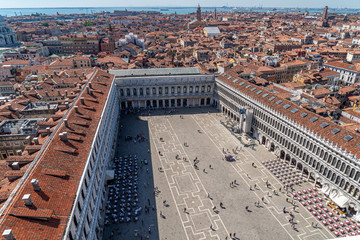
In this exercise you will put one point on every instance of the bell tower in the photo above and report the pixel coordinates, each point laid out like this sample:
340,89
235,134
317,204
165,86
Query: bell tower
198,13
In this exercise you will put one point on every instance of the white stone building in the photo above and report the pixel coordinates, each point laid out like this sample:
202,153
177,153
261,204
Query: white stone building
7,36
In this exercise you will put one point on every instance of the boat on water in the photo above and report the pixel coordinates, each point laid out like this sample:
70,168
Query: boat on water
164,9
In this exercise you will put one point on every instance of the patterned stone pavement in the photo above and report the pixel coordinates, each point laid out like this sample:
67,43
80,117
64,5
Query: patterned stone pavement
182,186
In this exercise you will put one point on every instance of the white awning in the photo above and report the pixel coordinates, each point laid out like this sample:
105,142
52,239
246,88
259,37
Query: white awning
341,201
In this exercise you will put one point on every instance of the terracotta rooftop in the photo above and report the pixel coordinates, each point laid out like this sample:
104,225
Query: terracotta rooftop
310,121
58,172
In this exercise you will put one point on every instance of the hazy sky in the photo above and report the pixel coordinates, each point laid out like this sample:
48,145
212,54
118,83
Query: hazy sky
190,3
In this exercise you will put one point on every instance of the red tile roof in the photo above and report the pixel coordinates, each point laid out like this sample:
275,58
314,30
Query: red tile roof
336,139
58,172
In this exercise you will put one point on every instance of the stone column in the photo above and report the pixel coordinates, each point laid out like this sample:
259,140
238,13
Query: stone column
157,104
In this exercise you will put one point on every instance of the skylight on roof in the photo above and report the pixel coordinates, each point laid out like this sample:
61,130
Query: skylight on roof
272,98
348,138
265,95
258,92
295,110
335,131
248,86
242,83
314,119
303,114
229,77
324,125
224,74
286,106
280,101
253,89
236,80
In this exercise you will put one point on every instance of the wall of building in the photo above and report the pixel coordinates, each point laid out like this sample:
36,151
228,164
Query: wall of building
86,218
336,170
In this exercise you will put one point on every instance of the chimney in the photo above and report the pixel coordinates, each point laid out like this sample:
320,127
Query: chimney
66,122
82,100
15,166
47,93
59,94
76,109
90,85
48,106
66,93
36,141
87,89
48,130
28,140
18,152
35,184
10,107
8,235
17,112
27,199
63,136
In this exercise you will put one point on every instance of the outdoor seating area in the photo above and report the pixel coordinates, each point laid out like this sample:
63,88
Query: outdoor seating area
122,203
339,225
285,173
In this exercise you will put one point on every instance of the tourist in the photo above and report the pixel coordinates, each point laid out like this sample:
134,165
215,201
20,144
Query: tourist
185,210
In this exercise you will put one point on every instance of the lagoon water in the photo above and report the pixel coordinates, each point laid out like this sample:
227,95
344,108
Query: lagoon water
166,10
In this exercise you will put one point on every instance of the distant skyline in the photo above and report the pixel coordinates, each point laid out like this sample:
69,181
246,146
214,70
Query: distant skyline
183,3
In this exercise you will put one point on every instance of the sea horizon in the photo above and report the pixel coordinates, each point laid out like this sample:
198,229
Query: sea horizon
10,12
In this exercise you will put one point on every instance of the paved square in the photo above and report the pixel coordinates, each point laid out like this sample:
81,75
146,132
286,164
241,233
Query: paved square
185,188
200,221
185,183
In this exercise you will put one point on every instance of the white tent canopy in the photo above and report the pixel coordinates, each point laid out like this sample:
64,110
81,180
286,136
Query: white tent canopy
341,201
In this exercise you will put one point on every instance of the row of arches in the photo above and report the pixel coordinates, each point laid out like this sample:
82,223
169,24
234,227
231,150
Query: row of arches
300,150
164,90
294,141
